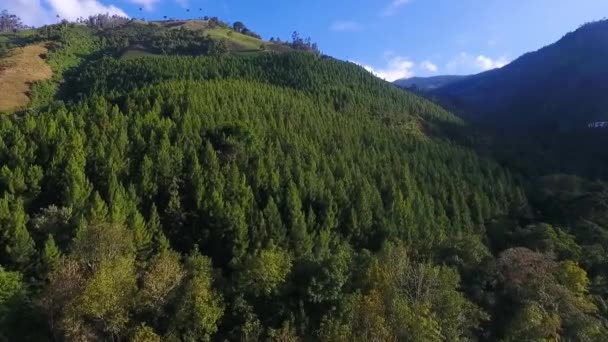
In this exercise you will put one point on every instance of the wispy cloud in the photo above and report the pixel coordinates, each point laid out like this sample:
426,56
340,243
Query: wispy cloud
397,68
72,9
394,7
487,63
429,66
39,12
345,26
467,63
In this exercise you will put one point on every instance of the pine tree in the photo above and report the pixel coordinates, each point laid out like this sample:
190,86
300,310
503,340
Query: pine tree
77,188
402,217
175,216
142,238
311,219
154,226
148,186
197,183
165,159
274,223
467,222
18,244
118,201
301,241
98,211
477,209
455,213
212,169
51,257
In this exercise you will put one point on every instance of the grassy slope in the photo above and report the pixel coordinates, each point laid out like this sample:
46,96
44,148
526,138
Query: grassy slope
18,71
79,45
243,42
237,42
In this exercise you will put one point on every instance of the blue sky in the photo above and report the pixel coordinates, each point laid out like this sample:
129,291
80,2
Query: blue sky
394,38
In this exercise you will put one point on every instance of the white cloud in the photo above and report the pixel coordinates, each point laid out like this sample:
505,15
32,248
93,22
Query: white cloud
397,68
148,5
429,66
462,60
393,7
343,26
487,63
31,12
40,12
72,9
467,63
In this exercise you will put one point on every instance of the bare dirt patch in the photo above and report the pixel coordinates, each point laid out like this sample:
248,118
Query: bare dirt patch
17,72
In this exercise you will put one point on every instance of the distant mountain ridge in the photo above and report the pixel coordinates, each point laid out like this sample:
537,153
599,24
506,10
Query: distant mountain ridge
428,83
561,86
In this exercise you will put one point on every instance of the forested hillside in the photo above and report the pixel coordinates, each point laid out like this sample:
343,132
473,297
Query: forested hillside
206,194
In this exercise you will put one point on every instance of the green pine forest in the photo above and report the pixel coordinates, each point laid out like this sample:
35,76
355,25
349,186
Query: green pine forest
199,192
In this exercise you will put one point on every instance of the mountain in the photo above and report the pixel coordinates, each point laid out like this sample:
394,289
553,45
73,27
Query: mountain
428,83
559,87
536,112
189,181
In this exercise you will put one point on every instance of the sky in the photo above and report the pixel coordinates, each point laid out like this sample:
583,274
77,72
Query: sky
391,38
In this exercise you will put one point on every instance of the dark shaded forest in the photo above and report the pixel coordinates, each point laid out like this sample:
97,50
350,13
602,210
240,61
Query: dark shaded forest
207,195
535,112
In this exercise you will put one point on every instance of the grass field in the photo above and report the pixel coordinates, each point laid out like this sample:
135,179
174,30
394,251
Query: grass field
243,41
237,42
18,71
